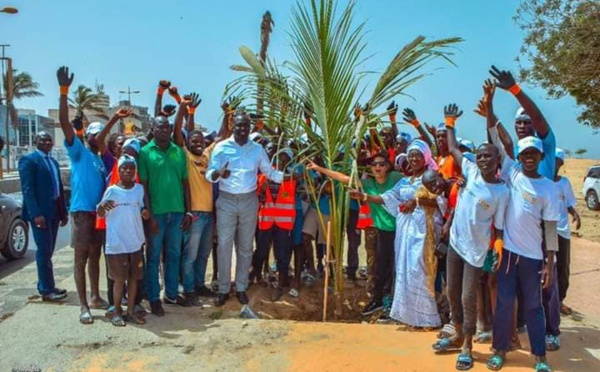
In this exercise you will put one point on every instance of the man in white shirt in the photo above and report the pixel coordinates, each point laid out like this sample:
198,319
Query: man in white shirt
525,264
235,163
481,204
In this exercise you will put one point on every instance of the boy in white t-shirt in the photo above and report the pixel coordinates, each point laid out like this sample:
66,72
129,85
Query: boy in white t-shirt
567,202
525,264
481,203
123,207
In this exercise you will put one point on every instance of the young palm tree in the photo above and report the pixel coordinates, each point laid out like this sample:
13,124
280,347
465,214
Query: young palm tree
325,76
85,100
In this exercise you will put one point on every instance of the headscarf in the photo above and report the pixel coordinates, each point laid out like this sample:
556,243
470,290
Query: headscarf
126,159
424,149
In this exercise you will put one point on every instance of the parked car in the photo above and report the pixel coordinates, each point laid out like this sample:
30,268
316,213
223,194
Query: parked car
591,188
14,233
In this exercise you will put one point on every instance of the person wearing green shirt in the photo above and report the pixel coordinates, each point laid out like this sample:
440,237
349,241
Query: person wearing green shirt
164,175
381,181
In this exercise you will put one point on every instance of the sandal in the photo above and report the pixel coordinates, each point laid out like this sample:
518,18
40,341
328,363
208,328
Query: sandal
140,311
552,343
102,305
135,318
294,293
445,344
447,331
495,362
118,321
110,312
542,367
483,338
86,317
464,362
565,310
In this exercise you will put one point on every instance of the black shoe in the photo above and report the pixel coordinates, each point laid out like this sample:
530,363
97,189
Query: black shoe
221,299
54,297
384,317
156,308
179,300
242,297
192,299
59,291
204,291
372,307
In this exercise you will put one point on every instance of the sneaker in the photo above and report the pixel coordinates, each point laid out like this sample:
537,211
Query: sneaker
384,317
204,291
156,308
387,303
372,307
192,299
179,300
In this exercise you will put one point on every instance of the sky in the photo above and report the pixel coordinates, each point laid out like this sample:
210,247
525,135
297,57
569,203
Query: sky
136,43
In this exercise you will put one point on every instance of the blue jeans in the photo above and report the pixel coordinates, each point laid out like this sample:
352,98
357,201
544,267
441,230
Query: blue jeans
45,240
198,244
171,236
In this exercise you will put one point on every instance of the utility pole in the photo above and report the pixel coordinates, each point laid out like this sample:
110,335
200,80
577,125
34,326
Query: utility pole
129,92
6,74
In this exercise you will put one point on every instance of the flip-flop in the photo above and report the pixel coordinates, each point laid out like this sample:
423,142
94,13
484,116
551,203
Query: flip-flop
565,310
86,317
135,318
445,344
294,293
552,343
542,367
140,311
495,362
483,338
118,321
464,362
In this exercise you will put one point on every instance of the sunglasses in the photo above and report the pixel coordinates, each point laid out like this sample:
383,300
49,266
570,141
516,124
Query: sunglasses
378,163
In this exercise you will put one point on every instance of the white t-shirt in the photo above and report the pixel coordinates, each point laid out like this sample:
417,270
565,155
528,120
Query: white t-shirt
566,199
532,200
479,205
124,227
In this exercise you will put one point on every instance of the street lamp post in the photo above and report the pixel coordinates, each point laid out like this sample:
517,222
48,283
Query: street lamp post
129,92
7,10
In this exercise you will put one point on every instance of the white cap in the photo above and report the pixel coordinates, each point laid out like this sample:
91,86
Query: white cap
94,128
288,152
468,144
522,115
404,136
255,136
133,143
529,142
560,154
441,127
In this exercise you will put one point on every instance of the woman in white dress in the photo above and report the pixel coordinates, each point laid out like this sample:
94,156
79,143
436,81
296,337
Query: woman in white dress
414,296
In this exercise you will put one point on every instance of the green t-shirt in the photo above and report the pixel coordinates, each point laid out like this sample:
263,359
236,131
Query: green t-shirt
164,171
381,218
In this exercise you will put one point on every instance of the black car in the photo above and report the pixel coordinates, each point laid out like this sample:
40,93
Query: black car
14,234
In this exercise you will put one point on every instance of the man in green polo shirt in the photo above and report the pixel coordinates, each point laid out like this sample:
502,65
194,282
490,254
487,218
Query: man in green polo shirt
163,172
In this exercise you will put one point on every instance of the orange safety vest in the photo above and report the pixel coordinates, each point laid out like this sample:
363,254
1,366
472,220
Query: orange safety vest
364,217
281,212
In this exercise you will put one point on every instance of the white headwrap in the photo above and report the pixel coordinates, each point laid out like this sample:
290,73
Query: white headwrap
424,149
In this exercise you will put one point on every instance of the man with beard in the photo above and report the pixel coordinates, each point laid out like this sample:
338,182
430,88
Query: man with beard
44,208
87,186
234,164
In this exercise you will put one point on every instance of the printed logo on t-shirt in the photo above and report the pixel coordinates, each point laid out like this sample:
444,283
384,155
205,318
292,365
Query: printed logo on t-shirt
482,203
529,197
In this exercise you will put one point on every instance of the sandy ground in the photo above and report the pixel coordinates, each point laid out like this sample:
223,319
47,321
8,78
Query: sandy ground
49,337
575,170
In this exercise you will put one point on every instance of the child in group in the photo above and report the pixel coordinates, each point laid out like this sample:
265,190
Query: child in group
123,207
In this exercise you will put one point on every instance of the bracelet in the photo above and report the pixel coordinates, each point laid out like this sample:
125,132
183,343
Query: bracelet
365,197
191,110
64,90
450,122
160,91
415,123
515,89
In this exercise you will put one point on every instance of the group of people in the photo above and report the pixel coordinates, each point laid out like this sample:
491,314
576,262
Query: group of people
488,227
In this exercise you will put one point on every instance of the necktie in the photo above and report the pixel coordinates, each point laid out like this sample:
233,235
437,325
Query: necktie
52,169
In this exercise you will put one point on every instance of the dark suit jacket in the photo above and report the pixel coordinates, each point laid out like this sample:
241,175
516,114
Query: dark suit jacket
36,186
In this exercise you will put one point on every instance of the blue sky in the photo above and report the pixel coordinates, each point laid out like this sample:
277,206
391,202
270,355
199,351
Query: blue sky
193,43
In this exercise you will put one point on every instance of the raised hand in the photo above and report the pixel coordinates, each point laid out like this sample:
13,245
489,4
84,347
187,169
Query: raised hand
193,101
358,111
431,129
163,85
355,194
489,88
410,117
504,79
77,121
123,113
451,113
392,110
173,91
64,78
481,108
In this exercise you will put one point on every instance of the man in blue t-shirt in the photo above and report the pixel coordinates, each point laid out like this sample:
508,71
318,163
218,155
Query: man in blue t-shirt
88,176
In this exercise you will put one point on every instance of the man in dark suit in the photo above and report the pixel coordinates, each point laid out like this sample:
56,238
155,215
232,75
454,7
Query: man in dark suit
44,208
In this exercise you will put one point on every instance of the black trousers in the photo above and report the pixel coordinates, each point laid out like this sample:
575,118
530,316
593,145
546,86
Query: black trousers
563,263
384,264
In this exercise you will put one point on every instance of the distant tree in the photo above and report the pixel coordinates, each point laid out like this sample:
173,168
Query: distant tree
562,49
580,152
86,101
568,153
23,86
